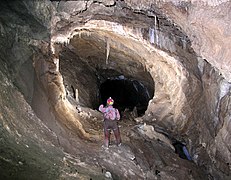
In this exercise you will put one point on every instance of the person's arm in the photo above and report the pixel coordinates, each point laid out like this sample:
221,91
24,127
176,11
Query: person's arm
117,114
101,108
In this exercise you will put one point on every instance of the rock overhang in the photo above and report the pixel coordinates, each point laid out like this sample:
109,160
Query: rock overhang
212,111
119,47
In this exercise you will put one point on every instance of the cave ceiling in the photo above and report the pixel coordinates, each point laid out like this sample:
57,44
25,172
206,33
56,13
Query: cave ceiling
175,54
118,40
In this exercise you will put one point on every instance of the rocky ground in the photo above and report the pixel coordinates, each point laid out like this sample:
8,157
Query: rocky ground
30,150
46,134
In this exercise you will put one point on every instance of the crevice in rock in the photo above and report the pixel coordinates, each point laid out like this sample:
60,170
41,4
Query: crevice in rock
181,150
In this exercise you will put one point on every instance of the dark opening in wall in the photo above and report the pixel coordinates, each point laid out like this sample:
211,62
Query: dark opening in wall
127,94
90,78
181,150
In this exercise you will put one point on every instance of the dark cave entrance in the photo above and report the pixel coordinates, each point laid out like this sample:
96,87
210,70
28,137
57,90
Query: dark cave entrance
127,94
86,72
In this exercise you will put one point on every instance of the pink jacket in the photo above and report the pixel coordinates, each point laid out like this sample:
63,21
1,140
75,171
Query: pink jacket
109,112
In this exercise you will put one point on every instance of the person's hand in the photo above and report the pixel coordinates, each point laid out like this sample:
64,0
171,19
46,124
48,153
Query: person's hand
101,107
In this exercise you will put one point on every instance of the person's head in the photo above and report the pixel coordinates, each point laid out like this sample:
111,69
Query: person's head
110,101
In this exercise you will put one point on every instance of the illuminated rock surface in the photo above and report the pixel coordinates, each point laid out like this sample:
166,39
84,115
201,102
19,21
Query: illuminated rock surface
166,64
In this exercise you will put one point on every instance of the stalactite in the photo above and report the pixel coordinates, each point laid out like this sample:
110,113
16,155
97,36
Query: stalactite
56,62
157,31
159,39
184,43
155,21
151,35
107,49
77,95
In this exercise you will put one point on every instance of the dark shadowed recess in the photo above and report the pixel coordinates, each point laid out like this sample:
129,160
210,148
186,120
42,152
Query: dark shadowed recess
127,94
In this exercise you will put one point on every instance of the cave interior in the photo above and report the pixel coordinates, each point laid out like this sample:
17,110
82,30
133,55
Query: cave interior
162,63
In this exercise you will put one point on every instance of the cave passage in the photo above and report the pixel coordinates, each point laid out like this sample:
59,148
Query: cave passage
126,93
124,77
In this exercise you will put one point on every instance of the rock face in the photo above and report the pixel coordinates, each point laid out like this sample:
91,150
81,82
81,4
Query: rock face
55,56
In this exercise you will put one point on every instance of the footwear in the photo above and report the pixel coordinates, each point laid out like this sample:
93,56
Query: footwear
119,144
105,147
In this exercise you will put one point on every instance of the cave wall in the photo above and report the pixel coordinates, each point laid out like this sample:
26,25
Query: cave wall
206,23
160,71
29,148
77,82
207,113
174,83
26,144
173,104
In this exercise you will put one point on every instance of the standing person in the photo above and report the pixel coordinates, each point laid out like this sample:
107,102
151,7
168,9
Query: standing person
111,116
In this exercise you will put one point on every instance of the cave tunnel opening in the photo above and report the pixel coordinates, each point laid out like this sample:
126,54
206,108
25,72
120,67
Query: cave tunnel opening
127,94
124,76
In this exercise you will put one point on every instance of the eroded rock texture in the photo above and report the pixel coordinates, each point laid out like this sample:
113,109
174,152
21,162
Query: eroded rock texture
166,63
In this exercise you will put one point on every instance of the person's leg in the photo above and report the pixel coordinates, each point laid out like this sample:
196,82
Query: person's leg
106,132
106,137
117,134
